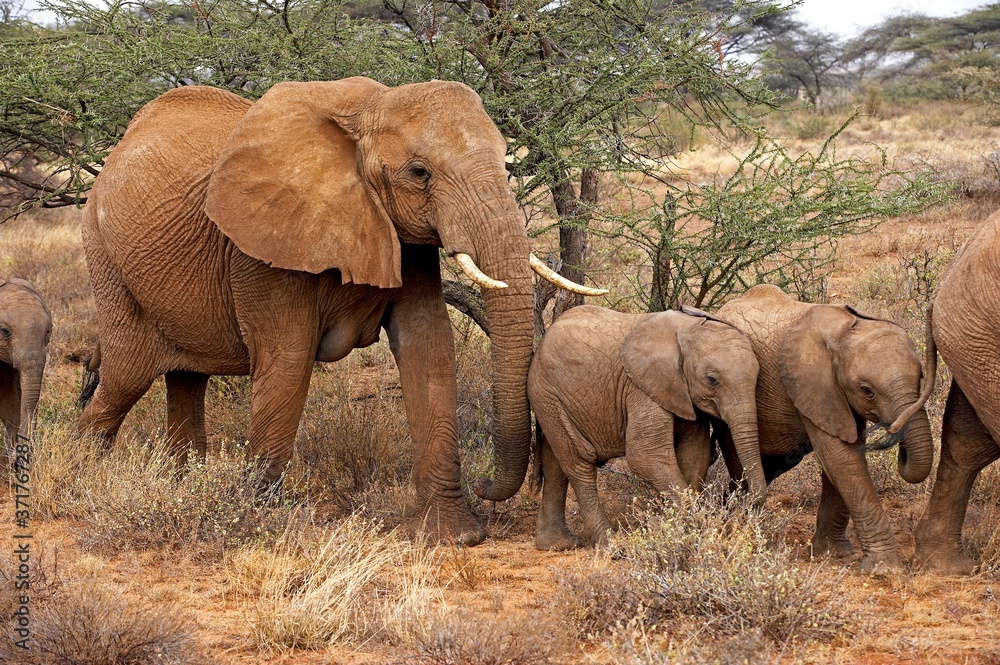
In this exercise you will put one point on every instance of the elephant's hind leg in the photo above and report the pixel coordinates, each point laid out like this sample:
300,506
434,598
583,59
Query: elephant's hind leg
186,414
966,447
831,523
130,349
551,531
113,400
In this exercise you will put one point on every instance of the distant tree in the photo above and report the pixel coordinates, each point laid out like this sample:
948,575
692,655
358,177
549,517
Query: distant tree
807,61
924,54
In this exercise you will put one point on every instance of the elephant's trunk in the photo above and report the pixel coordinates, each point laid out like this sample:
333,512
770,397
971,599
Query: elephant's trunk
916,450
743,428
511,323
31,386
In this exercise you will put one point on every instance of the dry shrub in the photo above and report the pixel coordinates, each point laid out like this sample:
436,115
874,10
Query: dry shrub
729,565
350,452
595,597
134,497
90,623
638,643
350,586
460,636
140,501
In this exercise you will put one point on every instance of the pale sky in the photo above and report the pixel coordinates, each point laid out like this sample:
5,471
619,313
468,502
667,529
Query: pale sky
848,17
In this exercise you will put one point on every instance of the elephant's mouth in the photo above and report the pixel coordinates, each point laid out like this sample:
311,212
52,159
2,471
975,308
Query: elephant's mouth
884,438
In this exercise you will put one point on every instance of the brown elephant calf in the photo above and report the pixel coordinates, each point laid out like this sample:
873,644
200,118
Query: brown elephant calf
25,329
824,371
604,384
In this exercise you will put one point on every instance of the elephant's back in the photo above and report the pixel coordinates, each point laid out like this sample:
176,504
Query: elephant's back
146,214
577,367
967,315
764,314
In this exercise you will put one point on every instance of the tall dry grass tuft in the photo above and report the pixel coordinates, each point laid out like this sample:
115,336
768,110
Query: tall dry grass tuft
349,585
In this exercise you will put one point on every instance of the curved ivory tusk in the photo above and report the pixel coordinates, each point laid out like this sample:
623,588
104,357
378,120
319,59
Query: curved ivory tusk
473,272
551,275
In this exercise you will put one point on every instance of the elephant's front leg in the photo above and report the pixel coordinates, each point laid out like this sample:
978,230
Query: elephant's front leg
421,340
277,316
847,471
831,523
649,443
693,448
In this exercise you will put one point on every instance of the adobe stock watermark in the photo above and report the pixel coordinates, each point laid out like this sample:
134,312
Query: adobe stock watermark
22,539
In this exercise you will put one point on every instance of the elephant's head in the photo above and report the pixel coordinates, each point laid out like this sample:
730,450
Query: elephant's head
693,361
837,363
25,328
347,170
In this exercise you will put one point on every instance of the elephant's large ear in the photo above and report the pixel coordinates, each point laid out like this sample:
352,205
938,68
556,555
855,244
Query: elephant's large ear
806,366
652,358
286,187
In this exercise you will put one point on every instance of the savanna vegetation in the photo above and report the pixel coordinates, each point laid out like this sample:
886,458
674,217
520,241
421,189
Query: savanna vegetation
647,158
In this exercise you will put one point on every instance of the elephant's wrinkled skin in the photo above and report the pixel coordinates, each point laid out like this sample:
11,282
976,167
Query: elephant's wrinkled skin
824,371
25,328
604,384
965,321
230,237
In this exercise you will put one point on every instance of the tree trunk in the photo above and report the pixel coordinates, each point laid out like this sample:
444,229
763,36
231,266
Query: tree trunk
575,213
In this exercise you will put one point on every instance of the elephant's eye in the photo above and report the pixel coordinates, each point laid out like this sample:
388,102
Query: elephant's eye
5,331
713,380
867,391
420,173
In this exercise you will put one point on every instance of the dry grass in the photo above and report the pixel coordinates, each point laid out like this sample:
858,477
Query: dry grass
349,586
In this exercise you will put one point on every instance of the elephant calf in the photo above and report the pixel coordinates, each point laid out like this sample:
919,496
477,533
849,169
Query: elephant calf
25,328
824,371
605,384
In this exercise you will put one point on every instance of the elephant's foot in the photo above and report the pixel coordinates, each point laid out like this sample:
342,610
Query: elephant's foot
943,561
447,524
556,539
881,563
834,546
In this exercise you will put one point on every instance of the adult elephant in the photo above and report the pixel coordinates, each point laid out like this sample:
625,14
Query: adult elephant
230,237
824,371
25,329
965,318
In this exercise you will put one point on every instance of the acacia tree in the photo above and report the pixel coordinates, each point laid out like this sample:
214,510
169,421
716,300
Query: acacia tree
591,94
